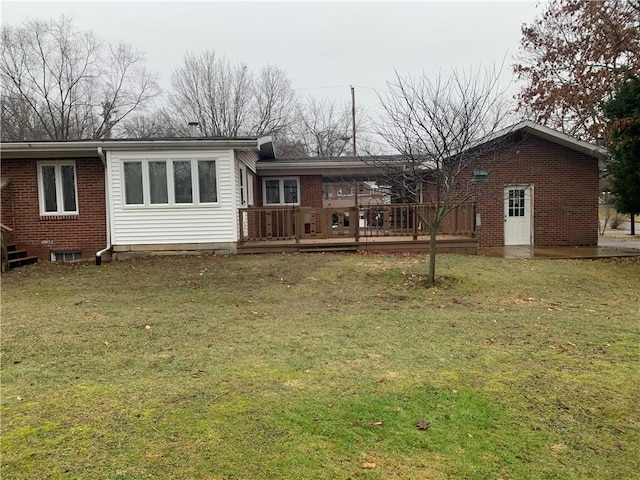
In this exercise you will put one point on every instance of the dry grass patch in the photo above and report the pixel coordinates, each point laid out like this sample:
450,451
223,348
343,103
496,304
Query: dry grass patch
313,366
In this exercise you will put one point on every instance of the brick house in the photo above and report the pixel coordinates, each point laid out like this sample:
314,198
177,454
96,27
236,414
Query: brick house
73,200
541,186
542,189
79,199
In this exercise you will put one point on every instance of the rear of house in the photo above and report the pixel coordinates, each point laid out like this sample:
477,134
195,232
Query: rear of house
72,200
53,204
541,190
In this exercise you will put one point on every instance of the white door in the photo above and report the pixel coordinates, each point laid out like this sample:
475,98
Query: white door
517,215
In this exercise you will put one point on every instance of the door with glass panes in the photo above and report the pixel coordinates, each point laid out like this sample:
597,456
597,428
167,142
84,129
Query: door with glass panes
517,215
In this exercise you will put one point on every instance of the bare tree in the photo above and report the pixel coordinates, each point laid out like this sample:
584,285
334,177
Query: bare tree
155,124
321,128
213,93
64,83
18,119
226,100
275,102
438,129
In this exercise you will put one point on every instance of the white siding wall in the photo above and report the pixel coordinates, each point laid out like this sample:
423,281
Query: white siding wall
143,225
248,158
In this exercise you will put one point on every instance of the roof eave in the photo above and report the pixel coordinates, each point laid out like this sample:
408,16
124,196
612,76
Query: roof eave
357,169
564,139
264,145
551,135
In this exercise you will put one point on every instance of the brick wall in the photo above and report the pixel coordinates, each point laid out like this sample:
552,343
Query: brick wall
565,192
311,191
85,232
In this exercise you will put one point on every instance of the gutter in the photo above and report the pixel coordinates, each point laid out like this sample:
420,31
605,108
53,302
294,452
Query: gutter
108,204
79,149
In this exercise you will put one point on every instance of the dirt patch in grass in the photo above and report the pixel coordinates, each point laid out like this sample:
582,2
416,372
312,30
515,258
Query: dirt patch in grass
311,366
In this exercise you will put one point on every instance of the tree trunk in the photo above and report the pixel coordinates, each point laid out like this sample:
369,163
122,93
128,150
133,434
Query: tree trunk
433,240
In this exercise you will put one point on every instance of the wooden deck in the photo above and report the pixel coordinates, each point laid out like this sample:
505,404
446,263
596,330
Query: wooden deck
445,244
380,228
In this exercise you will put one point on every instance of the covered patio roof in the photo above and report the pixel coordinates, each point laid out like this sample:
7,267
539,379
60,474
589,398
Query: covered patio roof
331,168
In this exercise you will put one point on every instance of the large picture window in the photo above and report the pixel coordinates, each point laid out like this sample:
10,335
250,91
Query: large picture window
170,182
281,191
57,188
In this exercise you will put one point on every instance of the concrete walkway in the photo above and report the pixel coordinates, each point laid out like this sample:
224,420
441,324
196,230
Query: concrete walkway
614,243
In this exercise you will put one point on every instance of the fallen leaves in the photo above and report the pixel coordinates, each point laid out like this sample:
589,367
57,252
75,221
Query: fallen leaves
422,425
376,423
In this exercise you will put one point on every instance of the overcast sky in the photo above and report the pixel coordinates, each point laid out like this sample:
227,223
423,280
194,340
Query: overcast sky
324,46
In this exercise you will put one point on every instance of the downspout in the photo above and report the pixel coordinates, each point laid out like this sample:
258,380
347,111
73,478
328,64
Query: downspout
108,204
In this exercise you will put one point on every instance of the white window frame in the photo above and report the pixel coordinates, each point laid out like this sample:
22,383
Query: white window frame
250,182
59,191
246,186
171,194
281,191
243,186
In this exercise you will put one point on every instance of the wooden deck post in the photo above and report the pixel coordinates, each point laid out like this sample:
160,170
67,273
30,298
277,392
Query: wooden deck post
354,222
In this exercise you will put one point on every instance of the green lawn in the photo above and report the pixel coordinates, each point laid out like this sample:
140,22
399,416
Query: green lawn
320,366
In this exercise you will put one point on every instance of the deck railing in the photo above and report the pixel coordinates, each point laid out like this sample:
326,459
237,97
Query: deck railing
4,251
299,223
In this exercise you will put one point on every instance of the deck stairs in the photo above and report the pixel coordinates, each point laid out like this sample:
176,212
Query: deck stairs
19,258
329,248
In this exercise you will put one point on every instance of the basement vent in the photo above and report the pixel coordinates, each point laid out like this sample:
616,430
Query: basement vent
66,256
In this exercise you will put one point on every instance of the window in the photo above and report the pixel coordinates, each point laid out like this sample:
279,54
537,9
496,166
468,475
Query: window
281,191
66,256
170,182
182,182
243,182
57,188
207,181
133,183
516,203
249,187
158,192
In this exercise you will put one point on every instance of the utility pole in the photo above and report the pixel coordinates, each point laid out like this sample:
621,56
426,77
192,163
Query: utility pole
353,138
353,118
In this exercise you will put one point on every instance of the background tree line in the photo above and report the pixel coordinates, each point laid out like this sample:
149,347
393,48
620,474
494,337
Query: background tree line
62,83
